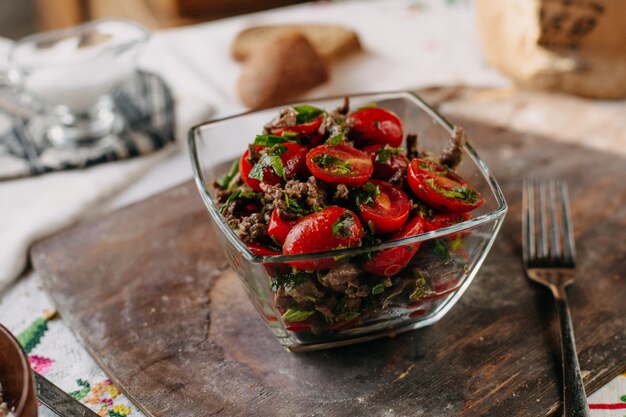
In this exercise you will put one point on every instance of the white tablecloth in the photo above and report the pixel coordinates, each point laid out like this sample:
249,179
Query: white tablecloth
407,45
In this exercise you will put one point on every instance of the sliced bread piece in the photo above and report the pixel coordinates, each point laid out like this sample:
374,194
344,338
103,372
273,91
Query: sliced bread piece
280,69
330,41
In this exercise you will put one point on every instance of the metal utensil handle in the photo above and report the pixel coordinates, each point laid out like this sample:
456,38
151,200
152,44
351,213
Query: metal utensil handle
57,400
574,397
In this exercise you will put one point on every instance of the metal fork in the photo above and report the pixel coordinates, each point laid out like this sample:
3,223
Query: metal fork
549,259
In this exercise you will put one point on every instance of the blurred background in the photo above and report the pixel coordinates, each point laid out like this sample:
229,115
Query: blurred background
22,17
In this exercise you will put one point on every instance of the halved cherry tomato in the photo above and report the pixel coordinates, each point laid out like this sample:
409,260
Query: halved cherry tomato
441,188
389,210
339,164
386,162
278,228
261,250
244,170
307,133
440,220
389,262
293,159
330,228
376,125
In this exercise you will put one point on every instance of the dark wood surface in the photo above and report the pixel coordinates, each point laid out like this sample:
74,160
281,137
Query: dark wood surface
147,291
16,378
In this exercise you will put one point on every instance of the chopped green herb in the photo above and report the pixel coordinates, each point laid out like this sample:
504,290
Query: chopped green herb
289,134
277,150
420,287
333,164
441,248
269,140
294,315
366,194
290,280
336,140
457,243
272,161
224,180
376,124
460,192
294,206
307,113
343,225
230,199
384,153
378,289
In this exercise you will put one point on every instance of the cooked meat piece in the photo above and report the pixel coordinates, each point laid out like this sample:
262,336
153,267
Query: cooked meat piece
357,290
398,179
282,301
326,305
353,304
316,196
253,155
411,146
342,192
252,228
286,118
305,292
345,107
296,189
341,277
451,156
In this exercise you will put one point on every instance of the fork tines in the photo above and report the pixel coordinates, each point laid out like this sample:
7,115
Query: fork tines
548,239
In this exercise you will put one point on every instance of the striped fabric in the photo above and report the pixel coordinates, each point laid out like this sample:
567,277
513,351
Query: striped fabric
144,102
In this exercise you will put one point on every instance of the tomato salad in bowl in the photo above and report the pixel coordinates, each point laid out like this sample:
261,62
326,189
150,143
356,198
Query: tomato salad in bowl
317,180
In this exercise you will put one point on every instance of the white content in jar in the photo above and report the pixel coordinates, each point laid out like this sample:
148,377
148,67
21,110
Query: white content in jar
4,408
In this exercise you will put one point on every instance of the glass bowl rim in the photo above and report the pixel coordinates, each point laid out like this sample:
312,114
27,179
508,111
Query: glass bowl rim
143,35
495,214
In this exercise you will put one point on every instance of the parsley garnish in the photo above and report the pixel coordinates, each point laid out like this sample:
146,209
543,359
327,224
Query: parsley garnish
378,289
336,140
343,225
272,161
269,140
350,315
459,192
290,280
366,194
277,149
420,286
307,113
294,206
293,315
224,180
333,164
384,153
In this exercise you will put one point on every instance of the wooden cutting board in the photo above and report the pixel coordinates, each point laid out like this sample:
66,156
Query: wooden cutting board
147,291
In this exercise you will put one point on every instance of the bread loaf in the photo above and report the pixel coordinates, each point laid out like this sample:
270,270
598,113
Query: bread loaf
330,41
280,69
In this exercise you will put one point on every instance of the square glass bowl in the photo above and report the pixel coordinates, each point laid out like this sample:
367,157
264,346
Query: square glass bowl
416,296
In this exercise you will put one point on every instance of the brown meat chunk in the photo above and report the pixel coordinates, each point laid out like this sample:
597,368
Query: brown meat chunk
286,118
342,192
452,155
252,228
316,196
305,292
341,277
411,146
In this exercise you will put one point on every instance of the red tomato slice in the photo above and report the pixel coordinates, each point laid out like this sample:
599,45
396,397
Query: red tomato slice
376,125
389,211
441,220
293,159
261,250
307,133
389,262
330,228
278,228
298,326
339,164
441,188
244,171
385,166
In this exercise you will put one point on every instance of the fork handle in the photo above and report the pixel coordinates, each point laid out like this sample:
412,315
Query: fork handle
574,397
